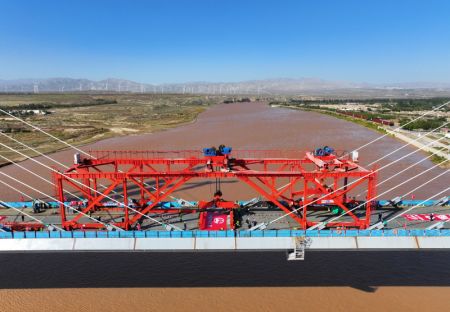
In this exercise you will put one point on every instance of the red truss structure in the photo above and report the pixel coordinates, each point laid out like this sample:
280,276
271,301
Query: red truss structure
288,179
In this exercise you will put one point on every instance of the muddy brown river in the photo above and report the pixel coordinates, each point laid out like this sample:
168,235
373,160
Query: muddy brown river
241,282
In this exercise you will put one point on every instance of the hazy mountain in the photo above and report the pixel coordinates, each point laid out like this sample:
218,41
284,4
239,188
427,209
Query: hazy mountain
269,86
418,85
68,85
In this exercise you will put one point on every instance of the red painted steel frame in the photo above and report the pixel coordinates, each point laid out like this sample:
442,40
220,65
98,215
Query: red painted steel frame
281,178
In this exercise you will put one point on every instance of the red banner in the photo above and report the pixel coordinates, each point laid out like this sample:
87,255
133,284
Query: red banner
215,221
427,217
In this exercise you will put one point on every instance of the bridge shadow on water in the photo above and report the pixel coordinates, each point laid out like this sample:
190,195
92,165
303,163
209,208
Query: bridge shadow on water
362,270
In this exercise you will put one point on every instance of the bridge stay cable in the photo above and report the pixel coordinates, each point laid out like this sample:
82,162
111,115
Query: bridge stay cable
62,203
264,225
125,205
393,188
37,128
76,148
87,154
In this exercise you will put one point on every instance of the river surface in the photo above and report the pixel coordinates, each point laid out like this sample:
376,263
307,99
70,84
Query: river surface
345,281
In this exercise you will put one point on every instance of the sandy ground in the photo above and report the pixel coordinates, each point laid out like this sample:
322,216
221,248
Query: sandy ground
225,299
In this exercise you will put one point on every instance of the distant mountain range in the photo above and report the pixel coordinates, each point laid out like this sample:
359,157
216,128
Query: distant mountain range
306,86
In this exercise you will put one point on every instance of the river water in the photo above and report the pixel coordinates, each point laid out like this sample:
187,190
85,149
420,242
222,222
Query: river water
372,281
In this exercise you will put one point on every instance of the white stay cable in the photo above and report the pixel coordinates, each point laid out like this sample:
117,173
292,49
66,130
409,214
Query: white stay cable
70,145
51,197
67,167
43,155
400,127
391,177
418,205
87,154
5,204
171,196
396,150
398,185
35,150
46,133
92,189
407,168
359,179
441,126
38,176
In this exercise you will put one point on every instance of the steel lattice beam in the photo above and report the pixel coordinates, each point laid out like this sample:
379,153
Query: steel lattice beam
307,176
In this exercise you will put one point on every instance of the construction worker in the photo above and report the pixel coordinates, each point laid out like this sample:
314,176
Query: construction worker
380,218
35,207
209,166
218,195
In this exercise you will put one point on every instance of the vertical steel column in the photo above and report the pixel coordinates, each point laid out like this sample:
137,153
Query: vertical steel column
371,194
60,190
305,206
125,202
142,201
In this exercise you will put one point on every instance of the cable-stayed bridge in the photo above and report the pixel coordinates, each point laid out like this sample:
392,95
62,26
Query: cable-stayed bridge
124,200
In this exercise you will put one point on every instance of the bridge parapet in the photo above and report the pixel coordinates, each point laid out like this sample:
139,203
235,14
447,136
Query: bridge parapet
226,234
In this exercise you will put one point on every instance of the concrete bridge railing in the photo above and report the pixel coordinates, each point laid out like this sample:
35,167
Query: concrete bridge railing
224,240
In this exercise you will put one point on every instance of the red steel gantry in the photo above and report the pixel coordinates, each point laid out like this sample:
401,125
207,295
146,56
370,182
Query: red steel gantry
288,179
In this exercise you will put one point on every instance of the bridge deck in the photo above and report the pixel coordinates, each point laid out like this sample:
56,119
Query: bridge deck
417,218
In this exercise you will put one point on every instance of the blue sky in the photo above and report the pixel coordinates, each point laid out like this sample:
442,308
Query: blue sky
211,40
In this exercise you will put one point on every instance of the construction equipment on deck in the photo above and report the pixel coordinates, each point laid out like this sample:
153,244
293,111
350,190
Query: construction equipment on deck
286,179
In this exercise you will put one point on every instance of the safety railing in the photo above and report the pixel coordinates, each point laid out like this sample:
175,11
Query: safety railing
168,204
137,154
106,154
222,234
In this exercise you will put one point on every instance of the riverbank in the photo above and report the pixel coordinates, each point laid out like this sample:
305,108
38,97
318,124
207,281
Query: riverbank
366,124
